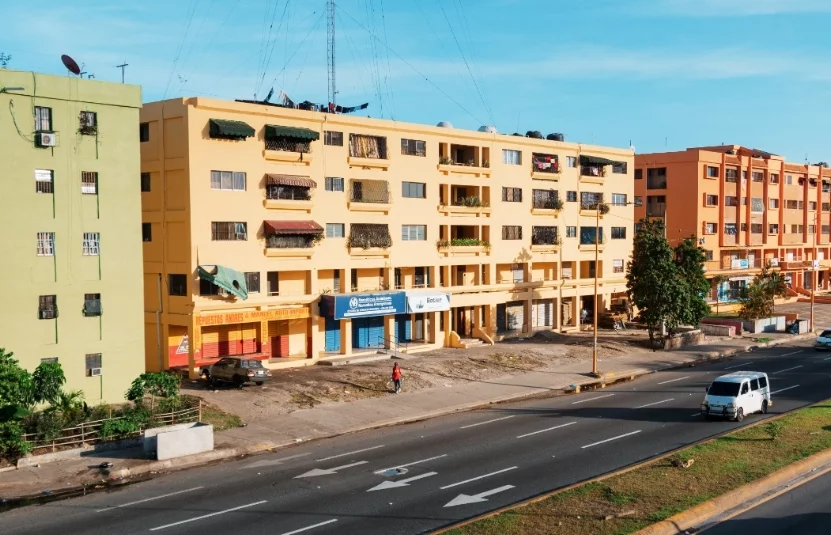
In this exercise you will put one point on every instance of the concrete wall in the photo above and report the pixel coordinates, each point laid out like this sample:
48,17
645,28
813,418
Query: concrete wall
179,440
765,325
718,330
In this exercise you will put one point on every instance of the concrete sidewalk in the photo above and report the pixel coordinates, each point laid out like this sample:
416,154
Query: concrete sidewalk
335,419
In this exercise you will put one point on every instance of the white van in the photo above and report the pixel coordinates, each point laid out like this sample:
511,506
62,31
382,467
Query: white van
736,395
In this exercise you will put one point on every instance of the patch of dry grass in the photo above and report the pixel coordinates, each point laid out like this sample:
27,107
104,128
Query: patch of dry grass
659,490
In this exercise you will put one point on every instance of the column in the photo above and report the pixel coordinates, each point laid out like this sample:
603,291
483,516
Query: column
194,348
528,310
265,341
346,337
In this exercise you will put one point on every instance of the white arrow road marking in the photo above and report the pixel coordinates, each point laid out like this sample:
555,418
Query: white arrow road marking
379,472
787,369
477,478
611,439
782,390
488,422
328,472
789,354
148,499
673,380
656,403
207,516
544,430
739,365
275,462
400,483
307,528
592,399
465,499
350,453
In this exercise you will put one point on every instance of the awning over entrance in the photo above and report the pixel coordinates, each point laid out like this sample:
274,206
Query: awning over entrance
290,180
292,227
418,302
596,160
230,280
223,128
273,132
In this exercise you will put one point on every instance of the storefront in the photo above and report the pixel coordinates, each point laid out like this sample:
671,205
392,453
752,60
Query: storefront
422,310
366,311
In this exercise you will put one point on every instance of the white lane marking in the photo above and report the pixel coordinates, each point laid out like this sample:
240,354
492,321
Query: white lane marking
208,516
477,478
696,414
465,499
592,399
328,472
674,380
272,462
148,499
656,403
782,390
789,354
411,464
307,528
738,365
350,453
544,430
829,358
611,439
787,369
488,422
401,482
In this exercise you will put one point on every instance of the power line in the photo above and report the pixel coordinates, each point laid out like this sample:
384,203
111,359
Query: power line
274,44
319,19
181,45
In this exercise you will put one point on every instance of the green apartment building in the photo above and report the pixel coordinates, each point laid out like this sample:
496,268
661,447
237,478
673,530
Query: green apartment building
71,239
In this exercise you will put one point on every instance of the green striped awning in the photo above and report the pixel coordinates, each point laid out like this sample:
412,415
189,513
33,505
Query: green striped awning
230,280
273,132
223,128
596,160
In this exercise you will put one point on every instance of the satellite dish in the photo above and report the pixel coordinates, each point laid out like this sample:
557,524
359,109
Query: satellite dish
70,65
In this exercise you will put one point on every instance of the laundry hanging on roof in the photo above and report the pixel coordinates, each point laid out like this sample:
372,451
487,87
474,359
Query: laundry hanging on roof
350,109
285,100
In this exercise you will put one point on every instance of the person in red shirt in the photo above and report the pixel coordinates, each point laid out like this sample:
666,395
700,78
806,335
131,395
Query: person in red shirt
396,377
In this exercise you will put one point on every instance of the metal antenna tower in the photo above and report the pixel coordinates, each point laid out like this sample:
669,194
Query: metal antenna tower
330,51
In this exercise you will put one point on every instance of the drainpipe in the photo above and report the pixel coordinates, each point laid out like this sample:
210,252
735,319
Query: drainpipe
159,323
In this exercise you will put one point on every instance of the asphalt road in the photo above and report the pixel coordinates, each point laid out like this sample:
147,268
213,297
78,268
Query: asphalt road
805,510
440,471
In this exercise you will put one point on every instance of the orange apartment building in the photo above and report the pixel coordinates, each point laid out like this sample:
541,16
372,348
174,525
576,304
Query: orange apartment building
746,208
294,236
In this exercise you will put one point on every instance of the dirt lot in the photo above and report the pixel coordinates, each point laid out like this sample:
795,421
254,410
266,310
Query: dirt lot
299,388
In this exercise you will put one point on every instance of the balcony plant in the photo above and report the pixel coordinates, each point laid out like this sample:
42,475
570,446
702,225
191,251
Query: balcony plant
444,160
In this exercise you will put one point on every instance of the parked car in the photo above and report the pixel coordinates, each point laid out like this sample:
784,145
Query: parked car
237,371
823,342
736,395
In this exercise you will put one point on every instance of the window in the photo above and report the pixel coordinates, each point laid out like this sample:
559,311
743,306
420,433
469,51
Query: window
797,229
590,200
708,255
413,147
334,230
789,179
617,265
92,244
144,132
93,363
773,204
252,281
571,232
511,157
413,190
545,199
512,194
712,171
589,236
812,229
334,183
744,175
618,199
711,200
333,138
511,232
88,123
639,200
757,204
756,228
177,285
618,233
773,228
47,307
730,229
638,174
44,181
812,206
710,228
89,183
545,163
229,231
146,232
413,232
763,381
730,200
619,168
92,305
744,227
228,180
571,196
774,178
791,205
145,182
49,360
206,287
544,236
361,146
656,178
46,244
571,161
43,119
731,174
826,229
757,176
826,207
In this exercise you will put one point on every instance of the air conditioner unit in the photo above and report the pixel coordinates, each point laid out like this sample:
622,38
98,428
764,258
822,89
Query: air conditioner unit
46,139
773,262
48,314
95,372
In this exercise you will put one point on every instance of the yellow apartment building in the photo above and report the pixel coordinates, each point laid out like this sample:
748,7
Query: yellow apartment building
747,208
294,236
71,215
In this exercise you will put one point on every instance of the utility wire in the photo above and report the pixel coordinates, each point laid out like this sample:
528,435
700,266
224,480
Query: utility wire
181,45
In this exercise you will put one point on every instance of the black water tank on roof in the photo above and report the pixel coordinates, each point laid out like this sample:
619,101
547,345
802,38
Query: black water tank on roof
556,136
536,134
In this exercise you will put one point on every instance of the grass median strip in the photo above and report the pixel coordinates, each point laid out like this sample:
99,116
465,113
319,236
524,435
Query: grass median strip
655,491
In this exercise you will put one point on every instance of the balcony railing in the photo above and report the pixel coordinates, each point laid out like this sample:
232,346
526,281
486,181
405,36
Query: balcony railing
291,193
370,191
545,163
656,182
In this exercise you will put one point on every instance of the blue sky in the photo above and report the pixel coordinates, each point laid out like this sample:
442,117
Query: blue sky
665,74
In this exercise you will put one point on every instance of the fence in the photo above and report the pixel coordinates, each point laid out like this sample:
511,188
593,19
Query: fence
88,433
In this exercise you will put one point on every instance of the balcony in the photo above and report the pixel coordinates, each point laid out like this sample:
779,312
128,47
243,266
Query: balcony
467,206
592,205
593,169
289,144
589,239
447,166
289,192
463,247
546,203
730,263
368,152
545,240
368,240
369,196
291,239
545,166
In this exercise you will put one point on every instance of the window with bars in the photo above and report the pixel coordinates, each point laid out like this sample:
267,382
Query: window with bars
797,229
590,200
571,232
757,204
145,182
228,180
92,244
89,183
88,123
571,196
618,233
544,236
49,360
512,194
43,119
229,231
44,181
335,139
335,230
47,307
511,157
545,199
773,228
93,361
333,183
177,284
252,281
413,232
757,176
413,147
92,305
812,206
620,168
46,244
511,232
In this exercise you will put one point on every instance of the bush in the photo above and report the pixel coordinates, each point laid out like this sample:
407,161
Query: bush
11,439
773,429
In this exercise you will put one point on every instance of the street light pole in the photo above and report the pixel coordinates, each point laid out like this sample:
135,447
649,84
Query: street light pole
596,267
814,270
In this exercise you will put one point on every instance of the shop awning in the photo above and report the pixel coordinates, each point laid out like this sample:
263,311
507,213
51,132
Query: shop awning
292,227
230,280
596,160
420,301
274,132
290,180
230,129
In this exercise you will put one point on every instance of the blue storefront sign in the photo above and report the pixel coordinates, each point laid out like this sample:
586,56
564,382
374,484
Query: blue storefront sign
363,305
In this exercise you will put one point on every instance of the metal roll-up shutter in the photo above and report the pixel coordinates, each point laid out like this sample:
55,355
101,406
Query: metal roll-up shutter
250,338
543,313
278,336
332,335
515,315
210,342
403,327
367,332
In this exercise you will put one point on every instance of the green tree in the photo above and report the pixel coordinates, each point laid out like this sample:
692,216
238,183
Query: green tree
16,395
47,381
689,262
758,299
154,385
